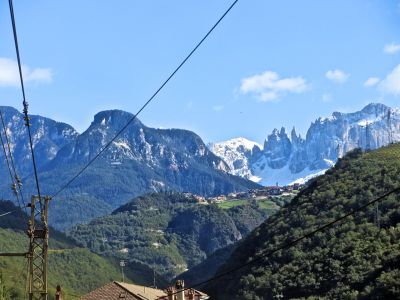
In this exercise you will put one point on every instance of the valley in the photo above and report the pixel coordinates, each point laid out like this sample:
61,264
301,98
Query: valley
198,220
200,150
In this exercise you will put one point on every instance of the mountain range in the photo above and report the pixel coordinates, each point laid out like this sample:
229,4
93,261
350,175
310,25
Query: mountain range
286,158
140,160
144,159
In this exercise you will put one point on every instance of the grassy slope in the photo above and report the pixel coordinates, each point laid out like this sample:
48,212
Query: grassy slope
76,269
354,260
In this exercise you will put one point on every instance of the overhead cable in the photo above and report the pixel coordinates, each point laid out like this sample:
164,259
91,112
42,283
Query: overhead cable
25,103
13,184
18,181
147,102
292,243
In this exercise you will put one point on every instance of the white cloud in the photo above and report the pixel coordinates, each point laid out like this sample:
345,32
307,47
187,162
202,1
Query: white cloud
391,48
391,84
269,86
371,81
9,75
337,76
218,107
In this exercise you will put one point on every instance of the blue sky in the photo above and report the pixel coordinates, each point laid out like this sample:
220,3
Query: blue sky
269,63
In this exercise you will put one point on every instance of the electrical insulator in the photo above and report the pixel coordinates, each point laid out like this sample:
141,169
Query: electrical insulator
14,188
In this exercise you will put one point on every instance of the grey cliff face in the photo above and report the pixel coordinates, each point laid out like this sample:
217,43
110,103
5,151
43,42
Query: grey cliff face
277,149
48,138
327,139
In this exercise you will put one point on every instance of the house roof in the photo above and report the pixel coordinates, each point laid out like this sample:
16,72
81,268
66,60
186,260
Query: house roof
142,292
109,291
124,291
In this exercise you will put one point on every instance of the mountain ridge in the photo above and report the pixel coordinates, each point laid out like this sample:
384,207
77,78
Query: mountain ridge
287,157
140,160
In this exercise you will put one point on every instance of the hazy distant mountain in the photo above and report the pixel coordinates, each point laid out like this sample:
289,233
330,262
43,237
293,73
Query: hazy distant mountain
286,158
48,138
142,159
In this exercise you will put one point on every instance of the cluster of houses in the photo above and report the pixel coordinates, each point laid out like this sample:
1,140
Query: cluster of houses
267,191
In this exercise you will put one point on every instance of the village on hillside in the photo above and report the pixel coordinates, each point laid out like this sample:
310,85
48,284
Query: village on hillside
288,191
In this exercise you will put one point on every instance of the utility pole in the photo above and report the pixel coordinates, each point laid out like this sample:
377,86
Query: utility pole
122,264
38,232
154,278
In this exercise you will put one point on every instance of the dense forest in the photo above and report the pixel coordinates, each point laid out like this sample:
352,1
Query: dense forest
356,259
169,231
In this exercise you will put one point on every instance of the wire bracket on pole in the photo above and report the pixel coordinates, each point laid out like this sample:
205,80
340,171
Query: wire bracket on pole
26,115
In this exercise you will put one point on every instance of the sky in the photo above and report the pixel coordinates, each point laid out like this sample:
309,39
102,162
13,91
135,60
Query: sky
268,64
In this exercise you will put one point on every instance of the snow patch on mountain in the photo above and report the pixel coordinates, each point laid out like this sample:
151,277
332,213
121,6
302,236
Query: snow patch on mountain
236,153
305,179
288,158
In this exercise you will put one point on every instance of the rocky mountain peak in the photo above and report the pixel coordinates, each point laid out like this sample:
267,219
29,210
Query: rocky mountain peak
375,108
295,139
327,139
114,118
140,160
9,110
48,137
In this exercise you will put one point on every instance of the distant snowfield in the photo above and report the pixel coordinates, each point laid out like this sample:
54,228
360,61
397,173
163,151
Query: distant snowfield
235,153
234,150
308,177
284,176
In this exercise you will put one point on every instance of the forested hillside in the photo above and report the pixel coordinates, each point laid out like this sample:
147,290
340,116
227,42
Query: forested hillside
170,231
76,269
356,259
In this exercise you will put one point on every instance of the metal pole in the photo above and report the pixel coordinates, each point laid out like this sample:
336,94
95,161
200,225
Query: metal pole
38,233
122,264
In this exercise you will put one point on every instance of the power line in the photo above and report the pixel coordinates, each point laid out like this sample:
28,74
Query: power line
292,243
12,211
7,213
147,102
25,103
9,150
13,185
18,181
